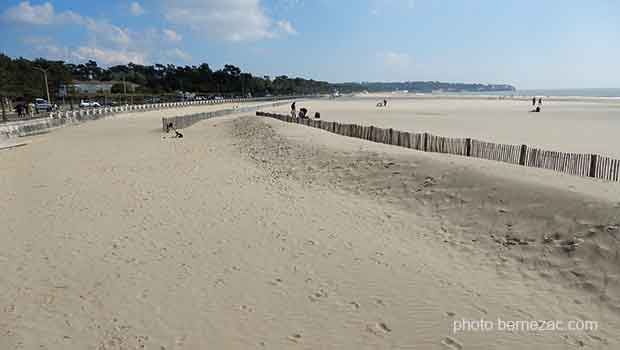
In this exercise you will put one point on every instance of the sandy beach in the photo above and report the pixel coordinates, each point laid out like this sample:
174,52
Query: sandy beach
251,233
577,125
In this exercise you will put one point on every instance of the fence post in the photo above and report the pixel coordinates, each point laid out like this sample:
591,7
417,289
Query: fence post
468,147
425,142
593,161
4,117
522,156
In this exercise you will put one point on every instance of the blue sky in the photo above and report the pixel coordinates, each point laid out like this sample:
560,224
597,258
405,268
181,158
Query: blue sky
531,44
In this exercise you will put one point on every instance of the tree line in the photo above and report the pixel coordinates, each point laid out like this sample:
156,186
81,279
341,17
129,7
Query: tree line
20,79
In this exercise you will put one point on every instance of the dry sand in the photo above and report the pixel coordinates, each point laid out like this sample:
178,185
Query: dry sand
567,126
251,233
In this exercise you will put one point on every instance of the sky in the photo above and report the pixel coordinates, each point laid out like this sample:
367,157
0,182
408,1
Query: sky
529,44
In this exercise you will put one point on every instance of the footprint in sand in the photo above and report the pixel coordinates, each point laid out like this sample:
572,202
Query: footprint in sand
316,296
246,308
599,339
379,329
219,282
295,338
451,343
481,309
276,282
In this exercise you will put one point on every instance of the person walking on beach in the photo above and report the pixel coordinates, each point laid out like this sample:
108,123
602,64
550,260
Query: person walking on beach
534,101
384,103
29,109
20,110
540,101
293,109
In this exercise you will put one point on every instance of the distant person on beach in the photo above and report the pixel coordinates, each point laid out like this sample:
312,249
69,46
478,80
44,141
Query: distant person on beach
293,109
20,110
540,101
534,101
170,126
384,103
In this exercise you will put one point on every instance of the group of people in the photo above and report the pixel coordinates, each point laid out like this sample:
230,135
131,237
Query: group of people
536,108
24,109
303,112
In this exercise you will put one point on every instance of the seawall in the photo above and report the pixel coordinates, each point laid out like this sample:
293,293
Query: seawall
64,118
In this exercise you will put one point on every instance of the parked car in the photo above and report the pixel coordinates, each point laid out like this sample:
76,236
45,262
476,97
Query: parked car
89,104
42,105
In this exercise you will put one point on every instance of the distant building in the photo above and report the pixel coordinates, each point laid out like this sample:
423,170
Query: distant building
186,95
94,87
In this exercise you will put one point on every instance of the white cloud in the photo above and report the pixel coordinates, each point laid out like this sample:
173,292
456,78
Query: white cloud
179,54
108,43
99,31
69,17
171,35
395,60
108,56
286,27
104,31
231,20
136,9
24,13
44,14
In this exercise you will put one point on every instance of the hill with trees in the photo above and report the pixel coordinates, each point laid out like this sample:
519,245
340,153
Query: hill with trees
421,86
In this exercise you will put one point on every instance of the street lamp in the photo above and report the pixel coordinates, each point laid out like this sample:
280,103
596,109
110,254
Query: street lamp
47,90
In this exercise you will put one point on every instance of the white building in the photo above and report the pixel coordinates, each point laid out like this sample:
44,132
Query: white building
95,86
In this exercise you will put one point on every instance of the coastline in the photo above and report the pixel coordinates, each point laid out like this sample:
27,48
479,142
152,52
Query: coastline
482,96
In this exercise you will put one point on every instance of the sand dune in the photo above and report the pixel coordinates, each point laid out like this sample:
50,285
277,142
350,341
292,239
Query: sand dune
250,233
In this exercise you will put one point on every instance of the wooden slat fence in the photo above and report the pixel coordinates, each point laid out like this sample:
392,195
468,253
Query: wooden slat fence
571,163
493,151
590,165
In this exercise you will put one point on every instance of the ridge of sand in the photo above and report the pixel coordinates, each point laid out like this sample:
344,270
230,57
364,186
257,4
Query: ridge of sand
250,233
472,202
